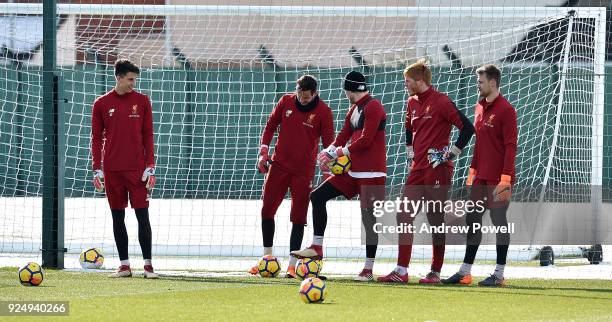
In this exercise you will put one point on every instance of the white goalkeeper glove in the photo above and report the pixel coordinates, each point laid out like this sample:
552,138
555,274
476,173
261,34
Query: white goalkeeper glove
148,176
409,155
438,157
98,180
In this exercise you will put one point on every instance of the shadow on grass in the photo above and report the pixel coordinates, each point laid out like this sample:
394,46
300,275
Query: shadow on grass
510,289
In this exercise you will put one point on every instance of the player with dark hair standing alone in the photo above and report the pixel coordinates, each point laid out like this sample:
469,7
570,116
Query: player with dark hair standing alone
124,160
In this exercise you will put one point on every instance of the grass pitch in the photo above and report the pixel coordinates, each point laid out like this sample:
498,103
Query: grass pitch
94,297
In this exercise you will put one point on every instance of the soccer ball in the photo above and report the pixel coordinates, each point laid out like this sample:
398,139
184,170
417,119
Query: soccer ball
340,165
313,290
31,274
91,258
269,266
308,267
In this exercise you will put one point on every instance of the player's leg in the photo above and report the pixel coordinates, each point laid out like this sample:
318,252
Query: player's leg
479,192
437,184
139,200
275,187
371,190
413,190
498,218
300,188
117,196
331,188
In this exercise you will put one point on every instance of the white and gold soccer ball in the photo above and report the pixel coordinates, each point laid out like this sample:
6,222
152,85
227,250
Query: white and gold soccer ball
340,165
91,258
313,290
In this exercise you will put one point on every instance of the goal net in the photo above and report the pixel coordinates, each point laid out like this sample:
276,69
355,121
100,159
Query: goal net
214,73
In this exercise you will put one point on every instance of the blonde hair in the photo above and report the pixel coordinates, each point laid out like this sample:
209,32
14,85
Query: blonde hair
419,71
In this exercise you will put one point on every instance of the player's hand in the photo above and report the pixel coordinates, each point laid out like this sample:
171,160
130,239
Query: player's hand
98,180
409,155
263,162
324,160
438,157
503,190
471,176
148,176
435,157
325,157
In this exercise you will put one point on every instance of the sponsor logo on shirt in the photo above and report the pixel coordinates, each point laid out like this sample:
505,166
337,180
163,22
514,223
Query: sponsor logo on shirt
288,112
110,112
310,120
489,122
134,111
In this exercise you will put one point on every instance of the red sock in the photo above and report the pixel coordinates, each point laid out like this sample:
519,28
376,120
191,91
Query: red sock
403,258
438,258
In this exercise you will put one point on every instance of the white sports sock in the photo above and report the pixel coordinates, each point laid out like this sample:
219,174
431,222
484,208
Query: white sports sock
401,270
148,262
369,263
466,269
317,240
499,271
125,262
292,260
267,251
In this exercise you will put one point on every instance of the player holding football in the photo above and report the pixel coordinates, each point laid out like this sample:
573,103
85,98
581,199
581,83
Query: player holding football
430,115
364,126
492,173
303,118
122,131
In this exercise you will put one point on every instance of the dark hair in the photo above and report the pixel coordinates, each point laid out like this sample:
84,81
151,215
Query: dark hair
307,83
491,72
124,66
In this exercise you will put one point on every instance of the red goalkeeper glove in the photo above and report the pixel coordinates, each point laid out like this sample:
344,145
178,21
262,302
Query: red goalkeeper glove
263,163
98,180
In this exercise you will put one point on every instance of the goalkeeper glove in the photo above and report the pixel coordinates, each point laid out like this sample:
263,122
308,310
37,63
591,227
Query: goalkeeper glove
437,157
148,176
329,155
409,155
503,190
325,157
263,162
98,180
471,176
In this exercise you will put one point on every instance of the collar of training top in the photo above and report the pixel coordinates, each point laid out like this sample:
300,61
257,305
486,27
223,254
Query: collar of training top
486,104
308,107
424,95
363,100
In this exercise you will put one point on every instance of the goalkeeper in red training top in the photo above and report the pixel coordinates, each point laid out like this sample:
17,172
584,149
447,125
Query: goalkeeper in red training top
122,131
430,116
302,118
491,175
364,126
